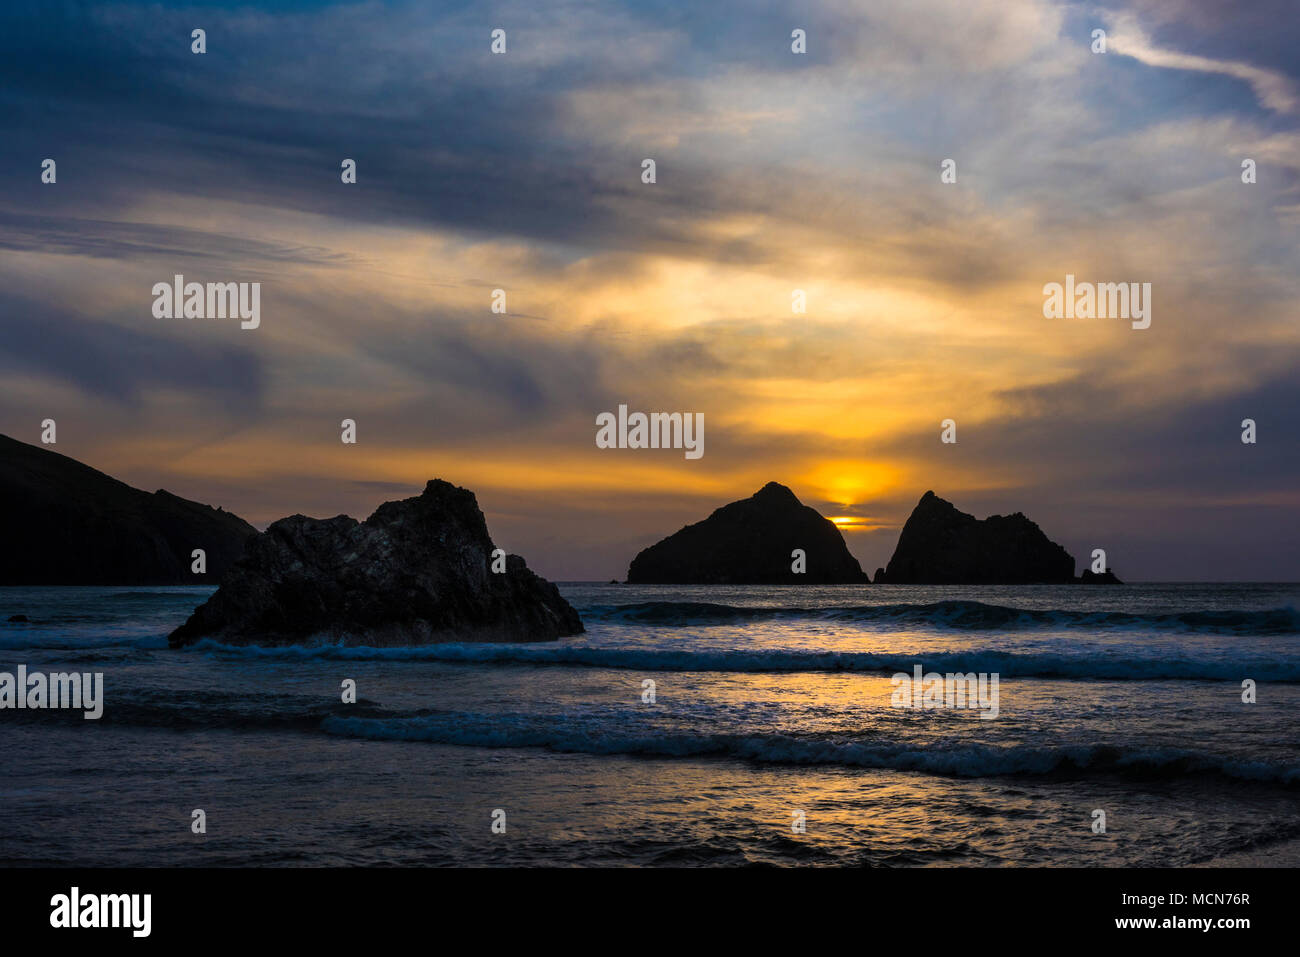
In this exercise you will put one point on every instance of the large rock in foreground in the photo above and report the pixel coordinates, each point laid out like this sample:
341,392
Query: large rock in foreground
750,543
415,572
67,524
940,545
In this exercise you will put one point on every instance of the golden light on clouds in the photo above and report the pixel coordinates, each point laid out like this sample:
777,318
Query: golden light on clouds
922,300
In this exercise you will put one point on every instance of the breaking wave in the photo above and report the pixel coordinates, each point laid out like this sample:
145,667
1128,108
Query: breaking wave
962,760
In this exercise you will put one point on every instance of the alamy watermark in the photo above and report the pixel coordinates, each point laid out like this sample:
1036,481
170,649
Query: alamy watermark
179,299
651,430
81,691
1102,300
75,909
933,690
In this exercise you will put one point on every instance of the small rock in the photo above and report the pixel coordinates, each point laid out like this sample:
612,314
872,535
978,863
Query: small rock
1089,577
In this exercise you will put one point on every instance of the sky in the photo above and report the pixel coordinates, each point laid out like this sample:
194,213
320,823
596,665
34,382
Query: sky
774,172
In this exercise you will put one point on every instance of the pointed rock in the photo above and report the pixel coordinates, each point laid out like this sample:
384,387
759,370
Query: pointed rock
750,542
940,545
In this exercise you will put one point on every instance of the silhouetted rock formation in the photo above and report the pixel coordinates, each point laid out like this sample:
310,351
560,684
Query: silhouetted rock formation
1089,577
941,546
415,572
67,524
750,543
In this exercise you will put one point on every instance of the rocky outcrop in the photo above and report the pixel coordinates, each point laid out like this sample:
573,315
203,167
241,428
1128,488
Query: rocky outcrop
940,545
1090,577
750,542
67,524
415,572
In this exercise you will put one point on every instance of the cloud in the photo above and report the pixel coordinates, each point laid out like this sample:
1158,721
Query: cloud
1275,90
776,172
105,360
69,235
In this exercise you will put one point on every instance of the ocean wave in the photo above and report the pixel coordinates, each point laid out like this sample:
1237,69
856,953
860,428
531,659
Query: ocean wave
959,615
963,760
1005,664
195,709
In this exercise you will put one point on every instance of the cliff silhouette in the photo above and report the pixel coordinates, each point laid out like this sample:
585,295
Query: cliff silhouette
67,524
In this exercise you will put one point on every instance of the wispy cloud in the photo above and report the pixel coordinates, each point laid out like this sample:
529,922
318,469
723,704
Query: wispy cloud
1275,90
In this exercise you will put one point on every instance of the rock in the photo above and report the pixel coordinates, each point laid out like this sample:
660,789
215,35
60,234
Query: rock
940,545
67,524
750,543
1089,577
415,572
879,577
19,618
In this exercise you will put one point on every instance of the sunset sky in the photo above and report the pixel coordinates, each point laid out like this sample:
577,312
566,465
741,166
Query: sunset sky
775,172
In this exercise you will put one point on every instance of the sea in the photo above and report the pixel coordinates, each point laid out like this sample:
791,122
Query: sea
1137,725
